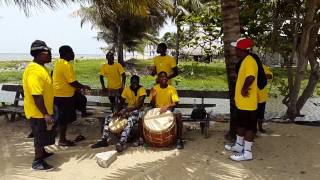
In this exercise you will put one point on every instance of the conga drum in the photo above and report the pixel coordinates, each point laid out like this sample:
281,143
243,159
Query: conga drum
117,124
159,130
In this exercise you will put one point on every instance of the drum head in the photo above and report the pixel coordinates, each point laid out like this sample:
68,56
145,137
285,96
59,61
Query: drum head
117,124
155,122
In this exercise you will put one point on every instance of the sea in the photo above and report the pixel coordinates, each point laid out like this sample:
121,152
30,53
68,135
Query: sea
28,57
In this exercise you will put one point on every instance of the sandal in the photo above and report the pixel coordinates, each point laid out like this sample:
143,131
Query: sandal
66,143
79,138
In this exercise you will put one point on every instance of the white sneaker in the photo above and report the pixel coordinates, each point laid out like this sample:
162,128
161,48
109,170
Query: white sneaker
234,147
242,156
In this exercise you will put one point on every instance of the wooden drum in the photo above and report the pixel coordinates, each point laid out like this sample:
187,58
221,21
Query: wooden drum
159,130
117,124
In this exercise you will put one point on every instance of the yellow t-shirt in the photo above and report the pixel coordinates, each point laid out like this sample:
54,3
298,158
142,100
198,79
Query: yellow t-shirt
166,96
113,73
263,93
248,67
37,81
131,98
165,63
63,74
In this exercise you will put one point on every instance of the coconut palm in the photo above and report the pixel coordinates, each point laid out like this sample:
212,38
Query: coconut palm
121,26
182,8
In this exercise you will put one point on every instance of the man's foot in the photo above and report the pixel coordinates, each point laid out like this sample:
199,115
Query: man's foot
47,154
30,135
243,156
41,165
139,142
66,143
79,138
120,146
262,130
99,144
86,114
179,144
234,147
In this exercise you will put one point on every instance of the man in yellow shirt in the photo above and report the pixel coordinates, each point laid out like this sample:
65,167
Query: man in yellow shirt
65,86
246,100
165,96
165,63
116,77
262,99
38,103
131,104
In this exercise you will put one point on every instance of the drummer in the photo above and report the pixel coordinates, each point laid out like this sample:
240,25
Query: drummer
131,105
165,96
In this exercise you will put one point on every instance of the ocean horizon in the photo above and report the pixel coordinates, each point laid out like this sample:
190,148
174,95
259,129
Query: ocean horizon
28,57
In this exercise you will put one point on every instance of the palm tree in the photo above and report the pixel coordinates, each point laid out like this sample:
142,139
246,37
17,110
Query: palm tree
182,8
121,26
231,31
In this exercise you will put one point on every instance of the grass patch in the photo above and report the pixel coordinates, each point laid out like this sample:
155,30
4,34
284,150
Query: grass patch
193,75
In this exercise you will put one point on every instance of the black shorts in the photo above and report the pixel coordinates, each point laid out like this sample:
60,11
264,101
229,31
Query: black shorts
261,110
66,109
42,137
246,119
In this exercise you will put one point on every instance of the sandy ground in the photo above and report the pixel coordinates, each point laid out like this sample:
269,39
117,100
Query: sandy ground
288,151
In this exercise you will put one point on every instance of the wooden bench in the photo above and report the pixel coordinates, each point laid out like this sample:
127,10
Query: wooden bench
14,108
192,94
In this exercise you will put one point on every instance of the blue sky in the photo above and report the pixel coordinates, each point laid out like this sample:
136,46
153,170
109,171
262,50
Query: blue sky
56,28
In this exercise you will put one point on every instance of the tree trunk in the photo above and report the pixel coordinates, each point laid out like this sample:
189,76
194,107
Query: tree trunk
231,31
302,57
178,41
120,47
314,74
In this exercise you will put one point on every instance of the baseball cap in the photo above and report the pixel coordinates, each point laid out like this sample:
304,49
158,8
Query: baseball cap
39,45
243,43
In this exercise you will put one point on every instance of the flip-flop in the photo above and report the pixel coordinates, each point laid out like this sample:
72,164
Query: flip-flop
79,138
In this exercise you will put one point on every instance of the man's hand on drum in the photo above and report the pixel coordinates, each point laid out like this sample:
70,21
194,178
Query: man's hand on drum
122,112
163,110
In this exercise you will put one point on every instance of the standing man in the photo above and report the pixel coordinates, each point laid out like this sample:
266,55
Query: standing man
116,77
262,99
38,103
246,100
165,96
131,106
65,86
165,63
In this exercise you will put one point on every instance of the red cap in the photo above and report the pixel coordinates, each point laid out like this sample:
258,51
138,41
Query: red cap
243,43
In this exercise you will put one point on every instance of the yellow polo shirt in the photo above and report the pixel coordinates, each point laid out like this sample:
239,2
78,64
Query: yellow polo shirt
63,74
248,67
263,93
113,73
166,96
165,63
36,80
130,96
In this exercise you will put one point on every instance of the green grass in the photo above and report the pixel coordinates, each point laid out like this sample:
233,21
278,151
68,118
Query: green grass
10,64
193,75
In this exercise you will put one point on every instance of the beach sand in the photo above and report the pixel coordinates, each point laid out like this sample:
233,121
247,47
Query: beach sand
288,151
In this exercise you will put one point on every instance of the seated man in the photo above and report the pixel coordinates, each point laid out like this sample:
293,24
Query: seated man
134,96
165,96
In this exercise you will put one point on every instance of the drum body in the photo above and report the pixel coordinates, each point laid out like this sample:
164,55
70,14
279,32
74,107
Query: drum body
117,125
159,130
